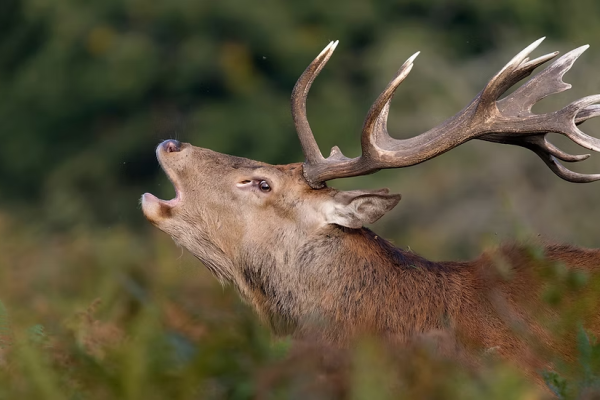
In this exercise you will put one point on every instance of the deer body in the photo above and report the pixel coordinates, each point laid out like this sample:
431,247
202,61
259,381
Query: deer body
298,252
377,289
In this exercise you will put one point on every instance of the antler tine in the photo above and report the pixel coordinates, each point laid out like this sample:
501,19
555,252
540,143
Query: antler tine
541,143
570,129
529,66
544,144
563,172
587,113
547,82
375,124
509,121
510,74
299,94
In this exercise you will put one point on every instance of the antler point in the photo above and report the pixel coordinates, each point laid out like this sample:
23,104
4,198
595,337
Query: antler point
412,58
329,48
535,44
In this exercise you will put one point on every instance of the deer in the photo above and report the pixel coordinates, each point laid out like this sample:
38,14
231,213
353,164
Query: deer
298,252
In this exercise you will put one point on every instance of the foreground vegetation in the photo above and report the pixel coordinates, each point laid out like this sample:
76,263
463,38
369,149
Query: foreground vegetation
109,314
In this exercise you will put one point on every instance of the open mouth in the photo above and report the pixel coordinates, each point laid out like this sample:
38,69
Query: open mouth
153,207
157,210
168,203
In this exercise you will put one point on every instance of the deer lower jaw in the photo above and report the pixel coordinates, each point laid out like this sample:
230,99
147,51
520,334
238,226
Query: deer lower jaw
156,209
151,200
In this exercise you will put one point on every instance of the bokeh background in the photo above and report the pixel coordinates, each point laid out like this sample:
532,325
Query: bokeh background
88,89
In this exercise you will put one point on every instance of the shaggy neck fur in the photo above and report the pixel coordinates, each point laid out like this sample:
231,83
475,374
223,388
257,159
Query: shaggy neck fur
304,294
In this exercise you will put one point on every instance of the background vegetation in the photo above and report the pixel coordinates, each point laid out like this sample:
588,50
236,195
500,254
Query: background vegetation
97,304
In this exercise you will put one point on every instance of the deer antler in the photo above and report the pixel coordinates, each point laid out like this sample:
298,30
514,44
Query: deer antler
508,121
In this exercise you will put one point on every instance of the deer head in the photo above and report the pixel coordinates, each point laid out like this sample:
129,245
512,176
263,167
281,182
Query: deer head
225,202
257,225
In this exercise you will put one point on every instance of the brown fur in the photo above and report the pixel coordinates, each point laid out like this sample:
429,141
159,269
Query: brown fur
312,278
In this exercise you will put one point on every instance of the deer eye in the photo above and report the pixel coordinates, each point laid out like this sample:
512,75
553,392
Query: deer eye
264,186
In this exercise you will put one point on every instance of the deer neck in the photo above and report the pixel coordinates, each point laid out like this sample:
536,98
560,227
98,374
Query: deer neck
342,280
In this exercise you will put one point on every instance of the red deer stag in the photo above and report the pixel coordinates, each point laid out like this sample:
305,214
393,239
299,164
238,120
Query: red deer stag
298,252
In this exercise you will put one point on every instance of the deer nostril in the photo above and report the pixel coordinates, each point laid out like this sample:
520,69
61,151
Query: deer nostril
171,146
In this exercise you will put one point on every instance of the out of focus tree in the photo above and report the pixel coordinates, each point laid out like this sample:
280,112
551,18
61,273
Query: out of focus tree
89,88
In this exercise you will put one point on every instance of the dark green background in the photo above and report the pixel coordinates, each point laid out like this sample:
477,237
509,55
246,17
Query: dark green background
89,88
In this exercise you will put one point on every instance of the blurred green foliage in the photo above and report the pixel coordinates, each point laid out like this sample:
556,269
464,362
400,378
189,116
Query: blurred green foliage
100,322
89,88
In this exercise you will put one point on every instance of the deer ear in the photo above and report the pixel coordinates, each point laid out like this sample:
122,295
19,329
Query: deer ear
355,208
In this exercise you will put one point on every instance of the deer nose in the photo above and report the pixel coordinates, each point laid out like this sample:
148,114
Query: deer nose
171,146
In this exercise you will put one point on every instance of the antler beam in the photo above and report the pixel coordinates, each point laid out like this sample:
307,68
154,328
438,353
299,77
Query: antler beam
508,121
